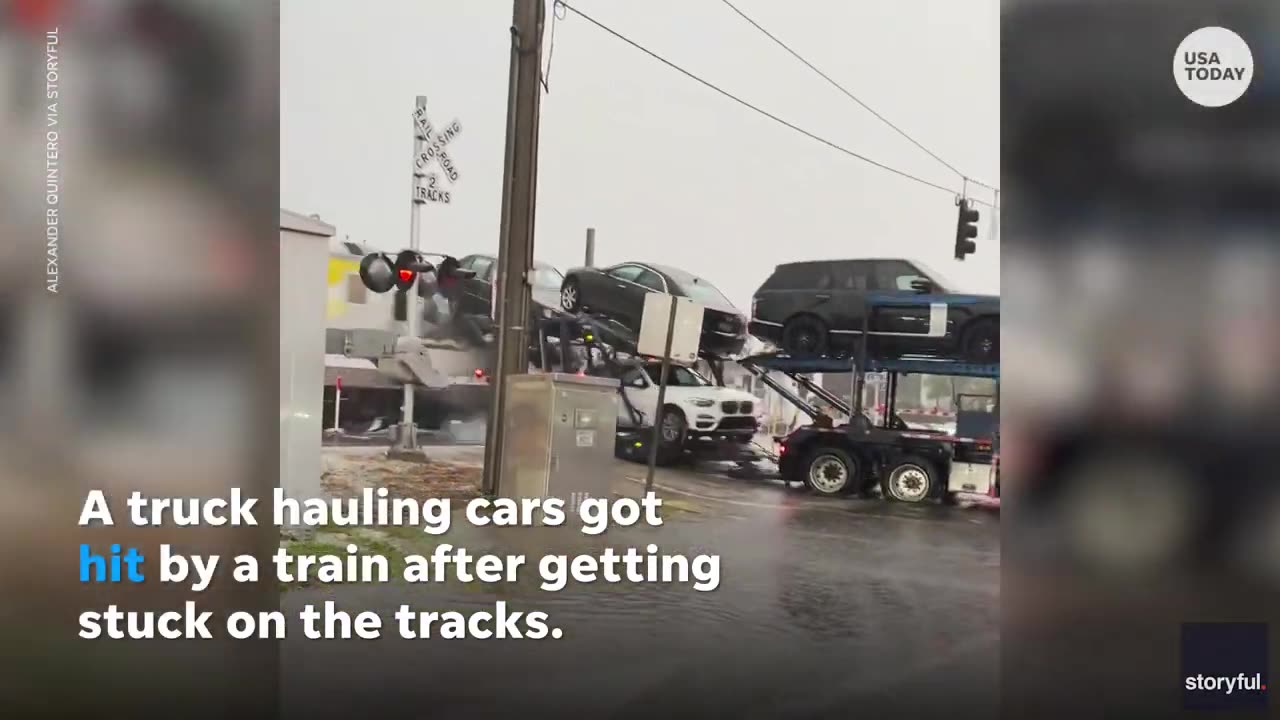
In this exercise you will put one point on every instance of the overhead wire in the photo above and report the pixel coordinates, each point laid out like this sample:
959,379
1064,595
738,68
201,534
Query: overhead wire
851,96
744,103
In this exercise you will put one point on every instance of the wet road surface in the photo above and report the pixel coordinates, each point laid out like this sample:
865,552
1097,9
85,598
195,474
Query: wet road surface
826,608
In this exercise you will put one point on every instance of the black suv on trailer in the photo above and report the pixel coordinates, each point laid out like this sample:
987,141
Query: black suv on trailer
817,307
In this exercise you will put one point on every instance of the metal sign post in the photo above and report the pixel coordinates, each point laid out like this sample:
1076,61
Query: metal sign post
408,440
428,148
658,415
337,403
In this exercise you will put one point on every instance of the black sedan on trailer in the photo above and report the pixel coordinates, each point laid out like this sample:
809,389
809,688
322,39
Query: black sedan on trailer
475,295
618,292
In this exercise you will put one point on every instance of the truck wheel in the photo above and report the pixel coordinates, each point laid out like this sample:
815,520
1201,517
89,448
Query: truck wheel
910,480
831,472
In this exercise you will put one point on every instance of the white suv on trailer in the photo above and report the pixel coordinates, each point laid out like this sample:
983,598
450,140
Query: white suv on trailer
699,409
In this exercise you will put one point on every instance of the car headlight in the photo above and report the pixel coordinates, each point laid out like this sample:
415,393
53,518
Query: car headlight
702,402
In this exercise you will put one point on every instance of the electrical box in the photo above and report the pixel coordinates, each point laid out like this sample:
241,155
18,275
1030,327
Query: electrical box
686,336
558,439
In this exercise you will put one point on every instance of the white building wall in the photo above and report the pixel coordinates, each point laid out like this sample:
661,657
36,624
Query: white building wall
303,257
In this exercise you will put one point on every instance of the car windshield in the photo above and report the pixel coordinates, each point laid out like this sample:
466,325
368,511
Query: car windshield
695,288
702,292
545,276
677,376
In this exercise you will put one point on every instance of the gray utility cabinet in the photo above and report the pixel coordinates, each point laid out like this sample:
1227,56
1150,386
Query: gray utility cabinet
559,437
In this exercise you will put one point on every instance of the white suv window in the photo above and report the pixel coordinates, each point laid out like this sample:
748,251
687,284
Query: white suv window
677,376
633,378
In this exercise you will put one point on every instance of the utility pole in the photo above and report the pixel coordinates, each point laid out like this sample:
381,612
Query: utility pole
591,248
515,250
408,433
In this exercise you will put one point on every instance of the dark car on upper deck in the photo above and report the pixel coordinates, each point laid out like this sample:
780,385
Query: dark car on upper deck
818,307
475,296
618,292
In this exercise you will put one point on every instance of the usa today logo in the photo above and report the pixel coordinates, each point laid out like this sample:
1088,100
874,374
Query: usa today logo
1213,67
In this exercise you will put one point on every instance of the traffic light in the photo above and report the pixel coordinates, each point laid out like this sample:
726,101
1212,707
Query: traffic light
966,230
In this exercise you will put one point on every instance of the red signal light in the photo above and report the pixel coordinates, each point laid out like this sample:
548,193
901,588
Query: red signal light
406,270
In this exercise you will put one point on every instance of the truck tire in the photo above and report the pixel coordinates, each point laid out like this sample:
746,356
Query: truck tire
910,479
831,472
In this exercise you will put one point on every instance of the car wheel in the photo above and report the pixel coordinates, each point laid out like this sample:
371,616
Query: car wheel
910,480
831,472
672,434
982,342
804,335
571,296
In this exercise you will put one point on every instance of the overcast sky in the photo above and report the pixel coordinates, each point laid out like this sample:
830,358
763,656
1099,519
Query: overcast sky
664,169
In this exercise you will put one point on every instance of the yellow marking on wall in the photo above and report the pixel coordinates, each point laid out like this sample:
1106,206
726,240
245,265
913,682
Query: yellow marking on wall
341,268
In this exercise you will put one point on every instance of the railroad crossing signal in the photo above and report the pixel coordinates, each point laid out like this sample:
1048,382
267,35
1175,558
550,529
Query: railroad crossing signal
966,230
380,273
406,267
377,272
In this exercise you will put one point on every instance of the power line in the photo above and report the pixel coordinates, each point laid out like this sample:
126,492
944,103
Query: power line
853,97
761,111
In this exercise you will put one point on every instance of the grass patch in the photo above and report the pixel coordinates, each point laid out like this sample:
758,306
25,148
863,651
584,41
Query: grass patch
411,538
315,547
331,540
681,506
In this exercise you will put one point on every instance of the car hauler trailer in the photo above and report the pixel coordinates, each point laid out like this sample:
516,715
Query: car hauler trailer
906,464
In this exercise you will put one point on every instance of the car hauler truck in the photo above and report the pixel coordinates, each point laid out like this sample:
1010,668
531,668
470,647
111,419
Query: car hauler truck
905,464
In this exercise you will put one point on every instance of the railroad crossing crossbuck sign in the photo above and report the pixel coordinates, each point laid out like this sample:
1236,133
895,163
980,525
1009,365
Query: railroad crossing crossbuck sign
430,151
